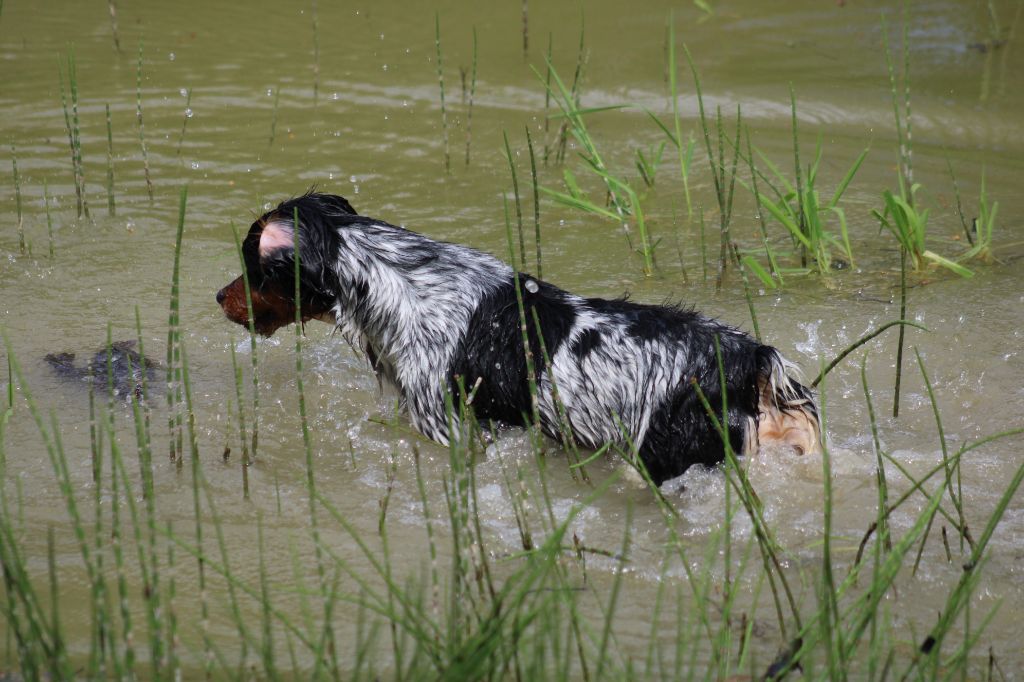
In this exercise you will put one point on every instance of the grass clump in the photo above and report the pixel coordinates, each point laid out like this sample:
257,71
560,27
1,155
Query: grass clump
797,206
900,213
624,205
982,228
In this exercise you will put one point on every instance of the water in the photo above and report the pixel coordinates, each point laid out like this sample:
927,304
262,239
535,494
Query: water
373,133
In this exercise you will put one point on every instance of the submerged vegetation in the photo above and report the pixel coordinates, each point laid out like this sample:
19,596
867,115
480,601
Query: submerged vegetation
149,585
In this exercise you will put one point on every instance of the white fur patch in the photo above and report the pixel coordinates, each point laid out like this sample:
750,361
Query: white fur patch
276,236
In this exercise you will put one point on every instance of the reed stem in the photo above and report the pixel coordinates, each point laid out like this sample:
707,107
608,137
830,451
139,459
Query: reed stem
440,80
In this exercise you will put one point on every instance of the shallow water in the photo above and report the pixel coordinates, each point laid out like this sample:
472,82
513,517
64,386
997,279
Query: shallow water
373,133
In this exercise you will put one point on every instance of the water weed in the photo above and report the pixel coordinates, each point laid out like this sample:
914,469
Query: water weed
440,81
72,127
141,126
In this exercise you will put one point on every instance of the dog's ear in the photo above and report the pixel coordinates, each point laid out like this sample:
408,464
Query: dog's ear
274,237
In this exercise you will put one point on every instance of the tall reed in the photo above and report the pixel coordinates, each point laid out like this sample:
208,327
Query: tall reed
307,440
71,125
112,7
440,81
111,207
623,198
536,203
472,92
799,208
723,174
518,203
49,218
526,29
252,344
562,137
316,52
273,120
173,366
184,121
141,126
685,154
17,199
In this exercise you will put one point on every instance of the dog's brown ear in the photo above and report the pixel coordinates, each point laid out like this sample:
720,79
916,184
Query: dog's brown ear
275,236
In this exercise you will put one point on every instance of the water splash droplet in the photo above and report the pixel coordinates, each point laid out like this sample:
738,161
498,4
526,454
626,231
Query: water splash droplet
531,286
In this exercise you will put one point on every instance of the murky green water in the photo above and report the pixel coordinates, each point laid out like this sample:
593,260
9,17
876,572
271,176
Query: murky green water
256,131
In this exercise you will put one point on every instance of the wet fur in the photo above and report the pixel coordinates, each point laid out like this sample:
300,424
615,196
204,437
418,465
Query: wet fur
428,313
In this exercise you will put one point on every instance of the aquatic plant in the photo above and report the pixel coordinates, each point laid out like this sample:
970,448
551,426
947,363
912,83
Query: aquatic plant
521,262
72,127
17,198
112,7
723,173
536,203
111,206
255,374
187,114
316,52
141,126
647,164
273,118
440,81
49,217
472,93
982,228
798,207
623,198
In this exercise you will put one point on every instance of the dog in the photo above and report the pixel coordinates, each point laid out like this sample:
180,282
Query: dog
430,314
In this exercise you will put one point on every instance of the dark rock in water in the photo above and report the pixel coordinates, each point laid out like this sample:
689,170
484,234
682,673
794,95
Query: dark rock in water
126,365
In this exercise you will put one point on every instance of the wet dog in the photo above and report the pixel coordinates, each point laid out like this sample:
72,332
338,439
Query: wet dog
432,314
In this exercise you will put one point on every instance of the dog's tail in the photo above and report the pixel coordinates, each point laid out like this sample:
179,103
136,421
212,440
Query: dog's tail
787,412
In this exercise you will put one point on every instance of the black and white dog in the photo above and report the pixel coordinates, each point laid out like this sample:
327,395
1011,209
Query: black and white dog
428,313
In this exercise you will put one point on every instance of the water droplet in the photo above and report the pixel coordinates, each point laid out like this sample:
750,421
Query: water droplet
531,286
385,67
183,92
171,56
351,179
188,112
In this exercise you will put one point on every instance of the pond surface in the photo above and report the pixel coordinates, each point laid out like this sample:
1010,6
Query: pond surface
249,106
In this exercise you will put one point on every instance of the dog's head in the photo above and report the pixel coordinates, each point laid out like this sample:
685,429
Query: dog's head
269,257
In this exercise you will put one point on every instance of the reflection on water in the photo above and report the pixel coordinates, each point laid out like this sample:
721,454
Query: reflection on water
251,134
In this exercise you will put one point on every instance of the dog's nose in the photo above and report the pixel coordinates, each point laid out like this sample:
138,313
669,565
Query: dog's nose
220,297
